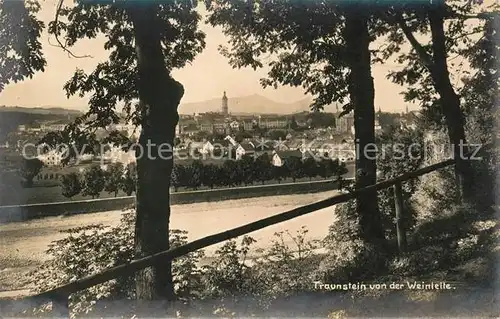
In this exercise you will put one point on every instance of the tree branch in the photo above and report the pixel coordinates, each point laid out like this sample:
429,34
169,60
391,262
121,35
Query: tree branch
425,58
60,45
480,16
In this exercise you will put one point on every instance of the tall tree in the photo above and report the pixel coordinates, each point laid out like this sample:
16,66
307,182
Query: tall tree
432,72
114,178
209,175
178,176
311,167
146,40
30,168
480,93
71,185
322,46
129,181
263,168
362,98
93,181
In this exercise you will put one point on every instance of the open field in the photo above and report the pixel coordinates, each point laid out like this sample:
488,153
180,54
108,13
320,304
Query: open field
22,245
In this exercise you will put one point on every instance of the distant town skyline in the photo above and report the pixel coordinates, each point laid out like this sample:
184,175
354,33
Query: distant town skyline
205,79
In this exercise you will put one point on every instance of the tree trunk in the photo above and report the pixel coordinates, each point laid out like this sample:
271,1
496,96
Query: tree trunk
362,94
450,103
159,95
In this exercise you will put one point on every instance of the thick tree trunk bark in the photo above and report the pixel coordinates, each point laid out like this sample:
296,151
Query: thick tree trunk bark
362,94
450,103
159,96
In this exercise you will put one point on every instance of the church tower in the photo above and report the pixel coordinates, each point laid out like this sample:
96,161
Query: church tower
225,109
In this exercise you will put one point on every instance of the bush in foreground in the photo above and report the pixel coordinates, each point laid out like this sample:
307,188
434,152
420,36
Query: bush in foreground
91,249
233,277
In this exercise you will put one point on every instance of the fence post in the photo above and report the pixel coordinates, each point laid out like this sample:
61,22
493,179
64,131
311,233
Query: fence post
400,229
60,306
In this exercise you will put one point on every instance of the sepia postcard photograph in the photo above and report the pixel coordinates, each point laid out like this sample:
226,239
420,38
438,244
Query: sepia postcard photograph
249,158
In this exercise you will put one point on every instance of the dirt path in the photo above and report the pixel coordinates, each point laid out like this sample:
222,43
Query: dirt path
23,245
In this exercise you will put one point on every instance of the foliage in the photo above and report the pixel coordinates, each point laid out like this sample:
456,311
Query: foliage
401,151
194,174
93,181
419,62
246,167
209,175
294,265
115,80
437,190
21,52
91,249
294,168
348,257
228,276
263,168
284,268
480,92
178,176
29,169
249,170
130,179
278,173
71,185
311,168
277,135
321,119
309,54
447,241
114,178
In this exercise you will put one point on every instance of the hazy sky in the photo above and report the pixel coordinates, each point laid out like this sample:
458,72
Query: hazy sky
206,78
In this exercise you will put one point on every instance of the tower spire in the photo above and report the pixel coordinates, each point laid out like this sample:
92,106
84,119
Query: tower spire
225,109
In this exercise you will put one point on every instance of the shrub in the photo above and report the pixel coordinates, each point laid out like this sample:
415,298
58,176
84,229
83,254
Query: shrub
70,185
91,249
437,191
280,270
229,276
232,277
93,181
289,269
398,156
348,257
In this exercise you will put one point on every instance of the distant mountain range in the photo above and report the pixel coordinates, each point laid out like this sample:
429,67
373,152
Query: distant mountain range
250,104
40,110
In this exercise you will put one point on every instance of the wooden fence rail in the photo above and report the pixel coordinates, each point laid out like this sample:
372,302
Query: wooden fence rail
59,296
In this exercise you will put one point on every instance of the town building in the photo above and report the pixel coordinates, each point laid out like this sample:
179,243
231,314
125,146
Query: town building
52,127
345,123
243,149
207,148
280,157
51,158
235,125
115,154
221,147
231,140
220,128
248,125
206,127
196,147
273,123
